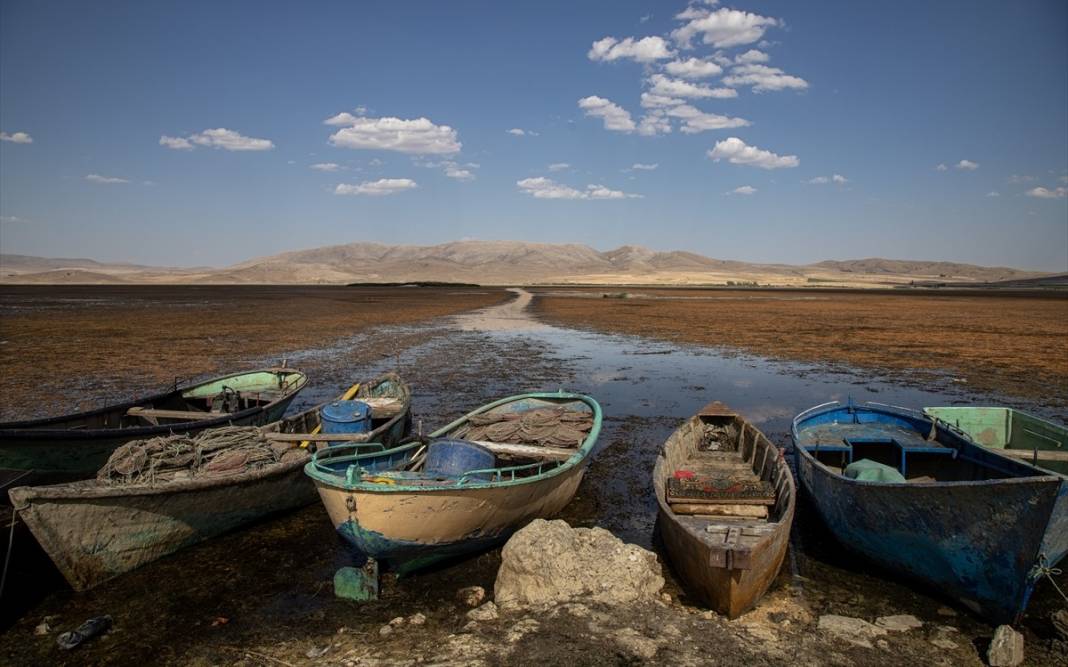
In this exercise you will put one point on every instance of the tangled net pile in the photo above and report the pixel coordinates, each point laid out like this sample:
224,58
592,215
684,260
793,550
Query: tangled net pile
215,453
546,427
719,438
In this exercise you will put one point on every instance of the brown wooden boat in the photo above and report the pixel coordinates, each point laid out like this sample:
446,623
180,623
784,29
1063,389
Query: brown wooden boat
726,502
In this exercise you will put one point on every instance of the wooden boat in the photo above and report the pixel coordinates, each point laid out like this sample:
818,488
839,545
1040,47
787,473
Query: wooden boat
726,503
980,527
72,447
94,532
408,519
1012,433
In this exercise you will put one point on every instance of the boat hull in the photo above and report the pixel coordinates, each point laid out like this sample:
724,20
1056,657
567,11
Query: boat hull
407,531
976,541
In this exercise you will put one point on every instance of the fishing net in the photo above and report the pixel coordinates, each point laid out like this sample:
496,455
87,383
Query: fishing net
546,427
215,453
719,438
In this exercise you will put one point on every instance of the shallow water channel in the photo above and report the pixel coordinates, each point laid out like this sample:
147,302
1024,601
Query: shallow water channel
276,575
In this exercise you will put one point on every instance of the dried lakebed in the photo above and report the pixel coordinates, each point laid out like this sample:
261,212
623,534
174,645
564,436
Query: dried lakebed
263,595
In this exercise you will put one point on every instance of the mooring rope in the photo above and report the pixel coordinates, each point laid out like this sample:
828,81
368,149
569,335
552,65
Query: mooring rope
1043,568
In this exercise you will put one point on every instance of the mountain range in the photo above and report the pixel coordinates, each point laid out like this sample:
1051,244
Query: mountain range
502,263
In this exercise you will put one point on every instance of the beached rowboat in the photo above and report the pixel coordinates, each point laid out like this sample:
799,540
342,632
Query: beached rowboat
418,514
920,499
1012,433
72,447
94,531
726,503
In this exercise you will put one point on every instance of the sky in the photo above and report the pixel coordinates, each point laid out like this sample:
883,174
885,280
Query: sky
207,133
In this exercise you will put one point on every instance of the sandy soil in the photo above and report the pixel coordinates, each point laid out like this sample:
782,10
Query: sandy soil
134,339
1016,345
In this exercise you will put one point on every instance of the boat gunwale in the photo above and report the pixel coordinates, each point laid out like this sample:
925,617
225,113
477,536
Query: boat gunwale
28,430
582,453
1041,475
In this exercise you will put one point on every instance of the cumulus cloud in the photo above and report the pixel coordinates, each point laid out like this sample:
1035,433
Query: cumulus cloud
615,117
16,137
941,167
325,166
694,120
736,151
751,56
558,166
668,87
379,188
653,123
644,50
763,78
455,171
722,28
418,135
743,190
837,179
693,68
967,165
1043,193
651,101
644,167
546,188
219,137
105,180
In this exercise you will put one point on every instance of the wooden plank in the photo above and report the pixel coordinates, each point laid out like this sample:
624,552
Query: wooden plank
528,451
1028,455
190,415
747,511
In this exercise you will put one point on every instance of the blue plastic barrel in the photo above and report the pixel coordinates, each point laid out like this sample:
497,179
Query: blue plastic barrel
345,417
454,458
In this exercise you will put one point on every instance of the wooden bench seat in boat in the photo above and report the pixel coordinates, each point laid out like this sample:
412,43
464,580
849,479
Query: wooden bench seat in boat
906,442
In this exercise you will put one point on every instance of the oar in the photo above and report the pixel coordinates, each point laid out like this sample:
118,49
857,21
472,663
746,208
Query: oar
347,396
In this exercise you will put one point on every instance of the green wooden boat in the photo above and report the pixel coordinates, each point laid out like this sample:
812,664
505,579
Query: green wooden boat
72,447
1013,433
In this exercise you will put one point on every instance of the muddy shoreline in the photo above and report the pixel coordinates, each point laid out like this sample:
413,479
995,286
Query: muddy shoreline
263,595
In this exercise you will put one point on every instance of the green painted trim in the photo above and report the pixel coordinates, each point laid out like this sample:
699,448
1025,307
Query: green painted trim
334,480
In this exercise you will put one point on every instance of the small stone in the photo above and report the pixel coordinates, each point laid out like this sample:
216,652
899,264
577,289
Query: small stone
899,622
487,612
708,615
416,619
397,622
472,596
43,628
946,611
943,643
385,630
1006,649
853,630
883,644
666,598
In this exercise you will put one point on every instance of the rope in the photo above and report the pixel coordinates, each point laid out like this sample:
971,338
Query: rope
546,427
1043,568
7,557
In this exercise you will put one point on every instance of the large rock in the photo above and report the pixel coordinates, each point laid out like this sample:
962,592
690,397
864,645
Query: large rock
549,562
1006,649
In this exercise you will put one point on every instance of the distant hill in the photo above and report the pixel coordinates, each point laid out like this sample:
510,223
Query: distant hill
506,262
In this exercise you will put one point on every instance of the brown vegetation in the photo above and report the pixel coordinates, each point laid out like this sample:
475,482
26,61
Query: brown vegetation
124,337
1017,345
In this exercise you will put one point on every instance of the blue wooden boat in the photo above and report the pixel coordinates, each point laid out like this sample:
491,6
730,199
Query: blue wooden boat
409,507
980,526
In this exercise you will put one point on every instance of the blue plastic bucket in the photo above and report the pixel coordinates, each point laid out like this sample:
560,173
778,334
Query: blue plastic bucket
345,417
454,458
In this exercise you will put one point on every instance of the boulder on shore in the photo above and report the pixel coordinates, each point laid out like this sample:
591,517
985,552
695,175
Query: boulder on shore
1006,649
549,562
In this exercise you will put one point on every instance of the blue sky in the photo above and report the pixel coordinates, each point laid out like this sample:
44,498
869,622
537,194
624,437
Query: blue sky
186,133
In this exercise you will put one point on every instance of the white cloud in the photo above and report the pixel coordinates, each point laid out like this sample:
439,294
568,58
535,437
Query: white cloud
651,101
941,167
837,179
519,132
615,117
325,166
694,120
722,28
993,193
379,188
653,123
418,135
12,219
230,140
545,188
176,143
16,138
558,166
967,165
735,151
763,78
743,190
668,87
453,170
693,68
1043,193
644,50
105,180
644,167
751,56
